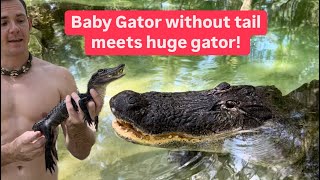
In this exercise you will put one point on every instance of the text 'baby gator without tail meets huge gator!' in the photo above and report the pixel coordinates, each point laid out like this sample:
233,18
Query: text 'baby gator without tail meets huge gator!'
255,122
59,113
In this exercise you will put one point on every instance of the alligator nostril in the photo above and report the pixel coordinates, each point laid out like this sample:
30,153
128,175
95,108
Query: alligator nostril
132,100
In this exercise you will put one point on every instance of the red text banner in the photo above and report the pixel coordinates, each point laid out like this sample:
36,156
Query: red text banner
166,32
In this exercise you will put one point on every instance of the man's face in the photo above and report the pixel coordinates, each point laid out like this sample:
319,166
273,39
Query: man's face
15,28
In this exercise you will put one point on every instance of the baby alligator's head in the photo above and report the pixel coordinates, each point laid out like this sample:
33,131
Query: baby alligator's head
103,77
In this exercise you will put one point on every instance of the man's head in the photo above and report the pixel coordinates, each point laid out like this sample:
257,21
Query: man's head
15,27
23,4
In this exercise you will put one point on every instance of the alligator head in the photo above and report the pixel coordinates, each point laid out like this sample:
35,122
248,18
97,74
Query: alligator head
169,119
256,124
100,79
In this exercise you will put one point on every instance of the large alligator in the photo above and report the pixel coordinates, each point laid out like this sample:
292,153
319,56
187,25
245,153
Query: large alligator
98,81
257,123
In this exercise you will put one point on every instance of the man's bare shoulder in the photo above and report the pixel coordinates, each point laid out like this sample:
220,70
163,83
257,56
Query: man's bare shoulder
64,80
49,67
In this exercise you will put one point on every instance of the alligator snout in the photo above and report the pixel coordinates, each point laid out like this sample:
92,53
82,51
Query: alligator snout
123,100
125,104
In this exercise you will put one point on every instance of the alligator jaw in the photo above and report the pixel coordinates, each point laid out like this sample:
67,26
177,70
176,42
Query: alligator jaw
128,131
114,73
105,76
133,134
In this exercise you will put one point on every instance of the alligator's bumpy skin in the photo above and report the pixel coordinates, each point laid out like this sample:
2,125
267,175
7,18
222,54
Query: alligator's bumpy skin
59,113
211,120
197,113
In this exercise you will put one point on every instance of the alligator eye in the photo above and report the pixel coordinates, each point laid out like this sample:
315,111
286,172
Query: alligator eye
231,104
223,86
100,70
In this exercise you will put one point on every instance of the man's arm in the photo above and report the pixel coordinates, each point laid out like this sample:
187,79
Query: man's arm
79,136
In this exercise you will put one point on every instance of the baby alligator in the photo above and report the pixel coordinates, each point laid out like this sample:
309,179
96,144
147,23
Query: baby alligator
59,113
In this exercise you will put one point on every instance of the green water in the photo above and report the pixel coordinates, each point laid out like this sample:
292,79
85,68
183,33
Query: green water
286,57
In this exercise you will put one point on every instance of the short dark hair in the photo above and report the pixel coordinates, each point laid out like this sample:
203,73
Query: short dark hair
23,4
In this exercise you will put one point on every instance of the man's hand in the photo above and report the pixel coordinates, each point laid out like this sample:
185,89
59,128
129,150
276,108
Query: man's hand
27,146
76,119
80,137
95,106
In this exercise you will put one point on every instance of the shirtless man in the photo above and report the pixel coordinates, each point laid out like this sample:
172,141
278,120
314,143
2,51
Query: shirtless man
26,98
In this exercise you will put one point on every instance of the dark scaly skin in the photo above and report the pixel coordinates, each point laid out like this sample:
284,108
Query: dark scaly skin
59,113
208,120
201,113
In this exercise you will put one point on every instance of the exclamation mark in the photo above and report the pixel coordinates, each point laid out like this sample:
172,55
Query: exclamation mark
238,41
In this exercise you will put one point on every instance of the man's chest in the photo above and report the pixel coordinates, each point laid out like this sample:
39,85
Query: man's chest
28,100
23,104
